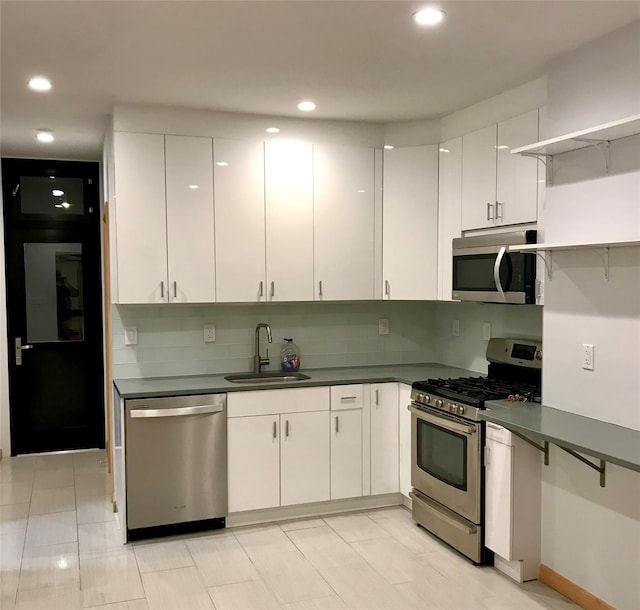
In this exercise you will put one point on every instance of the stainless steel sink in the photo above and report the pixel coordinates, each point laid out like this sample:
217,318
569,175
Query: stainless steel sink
273,377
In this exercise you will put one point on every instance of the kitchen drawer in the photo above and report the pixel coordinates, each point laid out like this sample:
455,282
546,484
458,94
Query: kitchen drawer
499,434
347,397
270,402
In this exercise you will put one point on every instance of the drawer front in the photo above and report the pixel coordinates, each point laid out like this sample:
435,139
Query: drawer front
499,434
270,402
347,396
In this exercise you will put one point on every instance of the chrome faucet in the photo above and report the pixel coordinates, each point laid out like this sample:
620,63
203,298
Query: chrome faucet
259,362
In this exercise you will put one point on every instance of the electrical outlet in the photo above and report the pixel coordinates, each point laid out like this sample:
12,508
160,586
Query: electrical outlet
455,329
131,335
587,356
209,333
383,326
486,331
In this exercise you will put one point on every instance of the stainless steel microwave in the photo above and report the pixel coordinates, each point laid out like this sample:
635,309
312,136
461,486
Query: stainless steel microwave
485,270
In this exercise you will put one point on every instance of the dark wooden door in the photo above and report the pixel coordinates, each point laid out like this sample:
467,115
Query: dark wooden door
54,304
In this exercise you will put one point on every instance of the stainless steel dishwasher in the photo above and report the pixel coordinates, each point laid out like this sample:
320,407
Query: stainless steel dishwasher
176,464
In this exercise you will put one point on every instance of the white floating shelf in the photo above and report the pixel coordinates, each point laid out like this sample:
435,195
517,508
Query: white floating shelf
567,246
614,130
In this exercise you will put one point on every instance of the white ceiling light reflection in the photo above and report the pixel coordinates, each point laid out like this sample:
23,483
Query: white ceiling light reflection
272,130
62,563
444,150
388,147
361,191
428,16
57,193
45,135
40,83
66,204
222,163
306,106
502,147
193,187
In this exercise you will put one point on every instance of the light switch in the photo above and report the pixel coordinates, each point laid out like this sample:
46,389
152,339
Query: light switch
209,333
131,335
383,326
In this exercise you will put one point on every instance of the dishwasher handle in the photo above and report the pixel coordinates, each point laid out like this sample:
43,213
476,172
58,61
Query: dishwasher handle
177,412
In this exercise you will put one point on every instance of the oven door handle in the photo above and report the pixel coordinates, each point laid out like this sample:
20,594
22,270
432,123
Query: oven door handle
467,529
444,422
496,271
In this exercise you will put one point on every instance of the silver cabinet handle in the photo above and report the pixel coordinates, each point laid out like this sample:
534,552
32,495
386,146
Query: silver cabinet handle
177,412
19,348
320,288
175,289
261,293
499,208
273,289
286,427
489,208
348,397
377,397
162,290
337,425
386,287
275,430
486,455
496,271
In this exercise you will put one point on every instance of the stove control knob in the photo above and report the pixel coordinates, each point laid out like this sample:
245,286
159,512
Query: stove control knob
438,403
427,398
420,397
460,409
452,407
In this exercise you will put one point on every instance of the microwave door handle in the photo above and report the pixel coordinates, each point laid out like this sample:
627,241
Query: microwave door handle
496,272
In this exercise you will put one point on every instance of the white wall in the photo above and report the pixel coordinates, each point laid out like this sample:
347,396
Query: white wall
591,535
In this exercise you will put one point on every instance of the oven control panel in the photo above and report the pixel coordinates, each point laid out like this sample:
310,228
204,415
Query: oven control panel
444,404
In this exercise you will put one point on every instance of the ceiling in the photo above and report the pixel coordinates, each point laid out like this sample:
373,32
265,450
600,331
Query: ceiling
358,60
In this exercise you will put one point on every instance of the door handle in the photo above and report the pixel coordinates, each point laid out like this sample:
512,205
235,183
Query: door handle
175,290
273,289
377,397
275,430
162,289
496,271
320,288
499,209
489,207
386,287
19,348
337,425
261,293
286,427
177,412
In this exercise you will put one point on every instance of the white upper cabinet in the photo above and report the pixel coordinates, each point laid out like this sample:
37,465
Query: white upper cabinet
449,211
343,222
517,185
499,188
410,223
190,228
240,220
141,220
289,220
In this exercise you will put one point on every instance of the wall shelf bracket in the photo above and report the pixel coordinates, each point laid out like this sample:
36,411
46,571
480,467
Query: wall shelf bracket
604,255
544,447
602,146
544,158
547,259
601,469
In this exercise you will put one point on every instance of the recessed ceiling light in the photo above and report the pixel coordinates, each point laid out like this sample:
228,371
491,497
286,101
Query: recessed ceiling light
40,83
428,16
45,135
193,187
57,193
272,130
222,163
306,106
388,147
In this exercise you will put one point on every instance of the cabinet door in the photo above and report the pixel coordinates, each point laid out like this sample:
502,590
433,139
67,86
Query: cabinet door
289,220
410,223
304,457
190,234
404,434
346,454
517,186
498,497
343,208
449,211
240,240
253,462
479,178
141,220
384,438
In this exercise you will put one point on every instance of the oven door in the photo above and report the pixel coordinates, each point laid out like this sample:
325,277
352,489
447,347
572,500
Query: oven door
446,464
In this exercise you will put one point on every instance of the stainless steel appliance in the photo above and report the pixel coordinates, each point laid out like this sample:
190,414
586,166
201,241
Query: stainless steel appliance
484,269
447,437
176,464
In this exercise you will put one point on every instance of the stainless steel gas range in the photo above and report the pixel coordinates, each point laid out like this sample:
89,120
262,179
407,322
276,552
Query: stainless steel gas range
447,440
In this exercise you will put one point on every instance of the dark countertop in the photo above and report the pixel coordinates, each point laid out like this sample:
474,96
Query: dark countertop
604,441
211,384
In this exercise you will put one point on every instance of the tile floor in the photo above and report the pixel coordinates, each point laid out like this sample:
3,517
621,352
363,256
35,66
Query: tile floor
60,550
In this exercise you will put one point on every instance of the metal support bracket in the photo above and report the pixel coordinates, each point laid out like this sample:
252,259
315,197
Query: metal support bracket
601,469
602,146
547,259
546,160
605,262
544,447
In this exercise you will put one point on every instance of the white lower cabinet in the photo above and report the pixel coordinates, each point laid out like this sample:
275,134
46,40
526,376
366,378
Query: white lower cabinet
404,424
384,438
512,503
278,447
346,441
